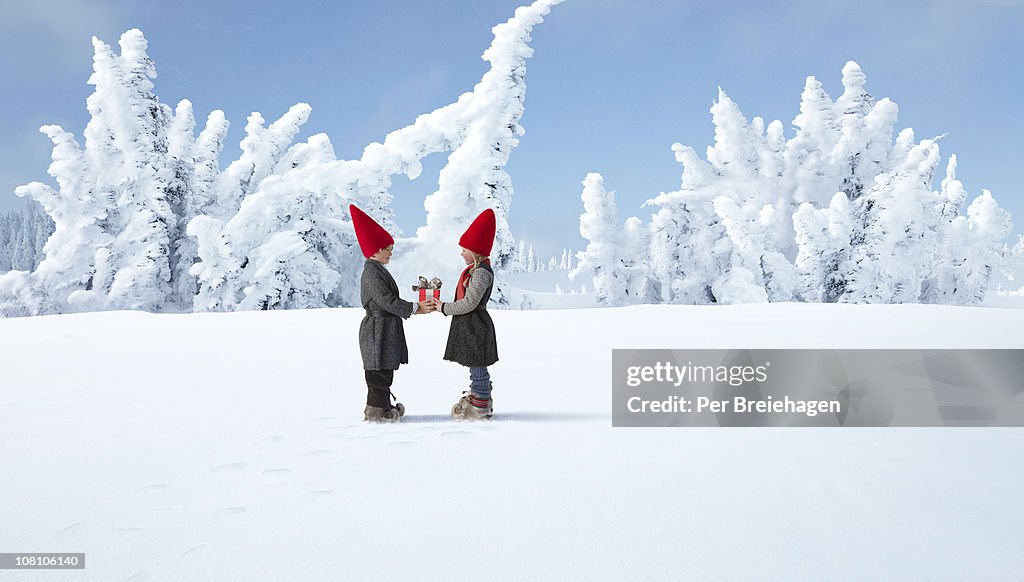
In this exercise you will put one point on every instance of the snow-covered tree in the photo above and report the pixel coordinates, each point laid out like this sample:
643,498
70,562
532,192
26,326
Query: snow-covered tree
22,236
638,285
114,212
688,244
1018,249
480,130
823,237
599,226
968,249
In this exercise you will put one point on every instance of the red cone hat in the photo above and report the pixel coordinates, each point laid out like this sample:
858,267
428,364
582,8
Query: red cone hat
479,237
372,236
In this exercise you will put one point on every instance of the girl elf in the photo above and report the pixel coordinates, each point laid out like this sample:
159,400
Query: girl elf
471,339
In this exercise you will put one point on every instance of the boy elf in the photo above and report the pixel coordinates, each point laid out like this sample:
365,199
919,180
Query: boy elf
381,334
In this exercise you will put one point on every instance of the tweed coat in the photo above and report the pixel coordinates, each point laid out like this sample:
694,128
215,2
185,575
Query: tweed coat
471,338
381,334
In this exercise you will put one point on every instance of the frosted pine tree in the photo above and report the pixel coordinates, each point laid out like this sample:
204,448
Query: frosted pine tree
481,130
758,271
896,237
807,172
599,226
134,271
290,245
78,211
262,148
113,218
520,262
6,229
22,236
1018,249
823,236
969,247
638,286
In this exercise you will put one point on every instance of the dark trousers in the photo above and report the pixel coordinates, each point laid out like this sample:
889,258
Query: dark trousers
378,387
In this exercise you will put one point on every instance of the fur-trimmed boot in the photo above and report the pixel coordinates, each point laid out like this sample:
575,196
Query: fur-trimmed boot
471,407
379,407
381,414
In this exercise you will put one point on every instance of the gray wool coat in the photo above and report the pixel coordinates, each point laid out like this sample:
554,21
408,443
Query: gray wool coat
381,334
471,338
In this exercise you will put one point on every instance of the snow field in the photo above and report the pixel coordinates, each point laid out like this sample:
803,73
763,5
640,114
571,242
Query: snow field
231,447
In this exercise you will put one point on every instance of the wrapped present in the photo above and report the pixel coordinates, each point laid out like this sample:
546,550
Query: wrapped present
428,289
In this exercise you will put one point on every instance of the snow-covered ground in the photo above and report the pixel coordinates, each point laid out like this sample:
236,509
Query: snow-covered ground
230,447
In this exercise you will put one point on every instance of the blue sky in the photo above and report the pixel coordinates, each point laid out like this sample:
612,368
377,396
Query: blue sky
611,86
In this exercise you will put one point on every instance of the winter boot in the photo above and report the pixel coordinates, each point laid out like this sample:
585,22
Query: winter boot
381,414
471,407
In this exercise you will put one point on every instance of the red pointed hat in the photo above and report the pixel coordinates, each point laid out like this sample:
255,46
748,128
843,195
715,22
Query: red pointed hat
372,236
479,237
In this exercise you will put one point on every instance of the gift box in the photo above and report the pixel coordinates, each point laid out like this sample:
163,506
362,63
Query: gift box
428,289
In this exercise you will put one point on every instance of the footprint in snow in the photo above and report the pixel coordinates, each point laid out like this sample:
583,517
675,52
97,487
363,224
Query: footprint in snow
170,508
229,467
154,487
233,510
72,529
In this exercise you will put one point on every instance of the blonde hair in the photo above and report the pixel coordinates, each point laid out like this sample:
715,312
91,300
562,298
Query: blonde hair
477,259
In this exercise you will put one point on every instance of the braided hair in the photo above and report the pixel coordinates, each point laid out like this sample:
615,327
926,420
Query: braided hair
477,259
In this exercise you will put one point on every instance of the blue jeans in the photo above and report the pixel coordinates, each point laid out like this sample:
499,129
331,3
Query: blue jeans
480,382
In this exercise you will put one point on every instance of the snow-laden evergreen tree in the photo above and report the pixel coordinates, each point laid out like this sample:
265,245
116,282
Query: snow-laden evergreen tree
638,286
688,244
114,213
22,236
600,260
6,235
968,249
896,237
127,137
520,263
823,237
758,271
1018,249
480,130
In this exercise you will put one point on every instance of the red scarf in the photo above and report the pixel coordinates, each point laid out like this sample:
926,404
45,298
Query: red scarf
460,289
